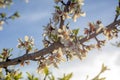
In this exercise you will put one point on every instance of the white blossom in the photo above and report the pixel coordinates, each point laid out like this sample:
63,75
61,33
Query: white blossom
1,25
26,38
77,15
81,2
100,27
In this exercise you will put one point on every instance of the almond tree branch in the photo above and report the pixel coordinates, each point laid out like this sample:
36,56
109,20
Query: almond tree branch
116,16
31,56
61,22
110,26
53,46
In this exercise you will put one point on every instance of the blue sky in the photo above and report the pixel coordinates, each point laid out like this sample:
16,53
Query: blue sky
36,14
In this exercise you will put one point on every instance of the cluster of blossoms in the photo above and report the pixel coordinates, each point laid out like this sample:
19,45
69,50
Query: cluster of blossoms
57,31
27,44
63,34
5,54
4,3
111,33
94,28
72,9
97,27
70,40
52,59
4,18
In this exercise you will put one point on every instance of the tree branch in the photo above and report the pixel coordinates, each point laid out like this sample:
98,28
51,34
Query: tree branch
31,56
116,16
45,51
110,26
61,22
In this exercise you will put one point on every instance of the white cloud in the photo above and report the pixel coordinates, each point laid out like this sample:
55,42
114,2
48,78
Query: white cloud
117,60
92,65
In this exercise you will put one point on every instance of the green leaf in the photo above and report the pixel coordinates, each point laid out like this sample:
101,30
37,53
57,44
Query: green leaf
75,31
16,14
35,78
51,77
54,37
29,76
18,76
46,71
104,68
8,77
73,1
118,10
10,50
66,77
12,17
9,55
1,56
29,48
3,15
57,7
